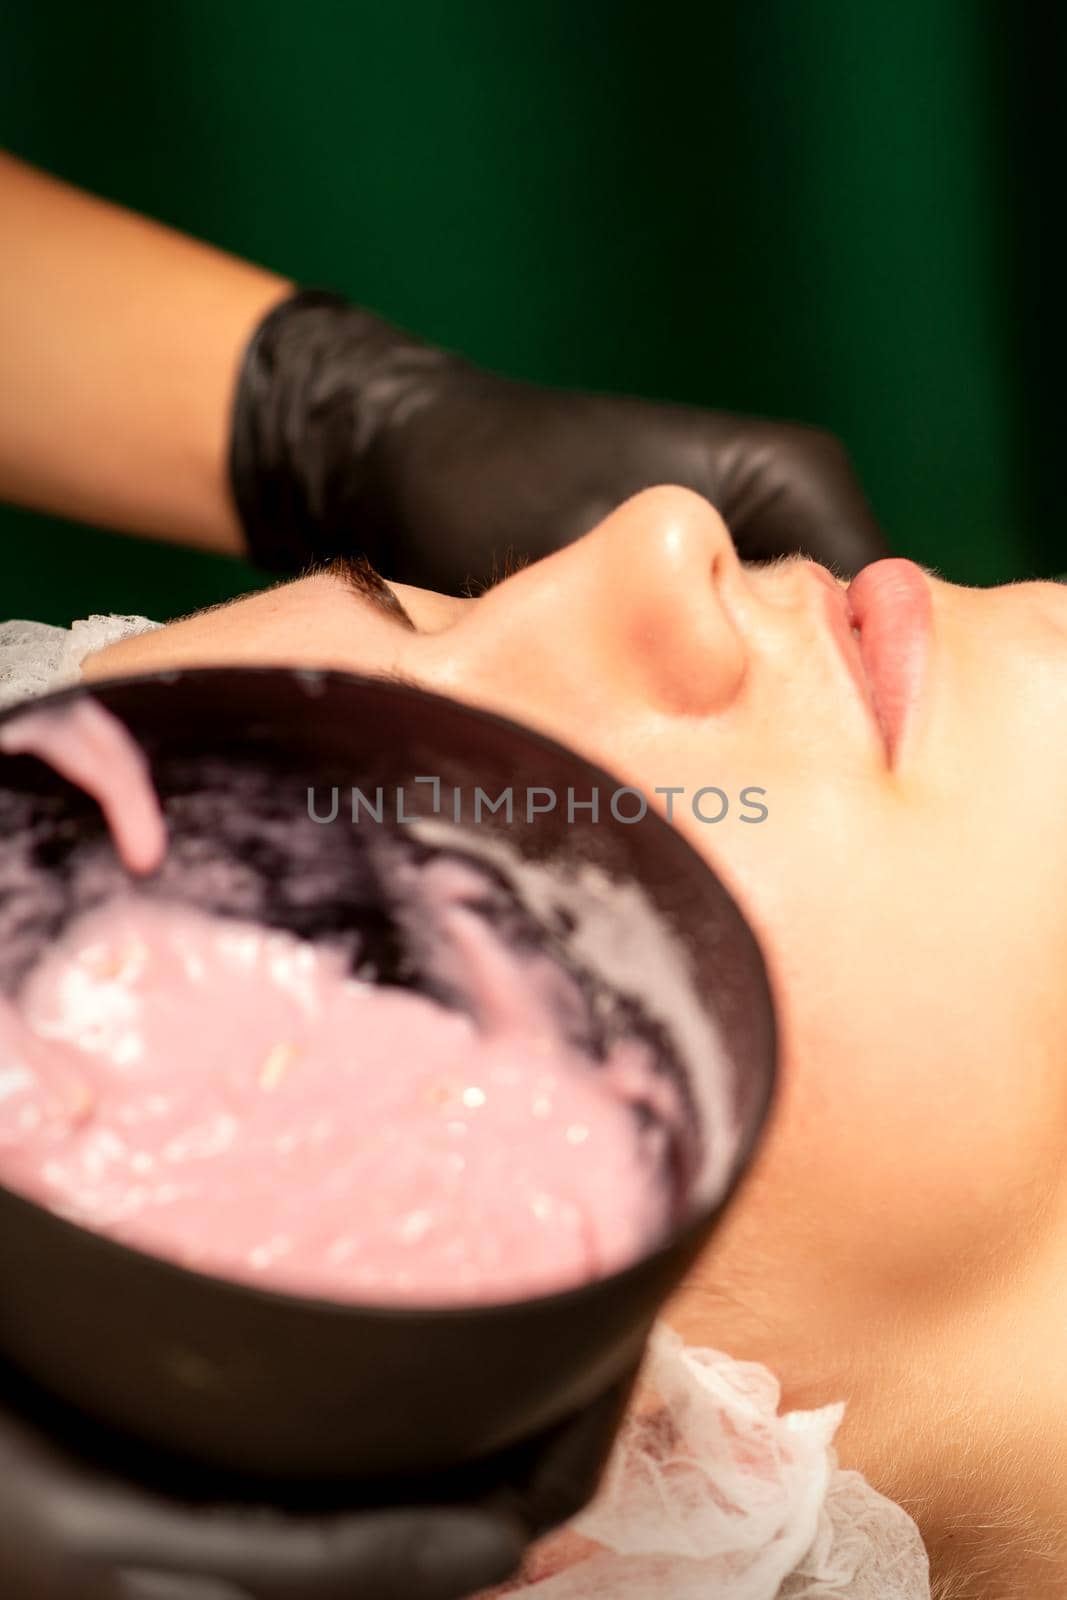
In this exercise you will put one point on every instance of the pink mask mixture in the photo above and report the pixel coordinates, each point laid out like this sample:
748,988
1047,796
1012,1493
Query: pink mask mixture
232,1097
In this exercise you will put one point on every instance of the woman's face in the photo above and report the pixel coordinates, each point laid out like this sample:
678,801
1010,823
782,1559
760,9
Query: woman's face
910,893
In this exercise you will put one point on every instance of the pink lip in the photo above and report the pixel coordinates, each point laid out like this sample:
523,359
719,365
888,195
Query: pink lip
839,617
889,604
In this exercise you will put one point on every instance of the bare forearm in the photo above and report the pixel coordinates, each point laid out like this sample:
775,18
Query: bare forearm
120,341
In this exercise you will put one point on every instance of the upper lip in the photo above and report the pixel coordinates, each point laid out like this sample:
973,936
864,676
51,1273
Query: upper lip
839,615
882,625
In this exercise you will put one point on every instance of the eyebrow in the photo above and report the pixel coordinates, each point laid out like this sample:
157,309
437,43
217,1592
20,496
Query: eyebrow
357,573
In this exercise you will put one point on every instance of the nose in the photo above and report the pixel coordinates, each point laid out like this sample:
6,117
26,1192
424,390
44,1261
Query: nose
637,610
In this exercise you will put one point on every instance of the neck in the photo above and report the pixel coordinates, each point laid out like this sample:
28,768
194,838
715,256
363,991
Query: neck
970,1436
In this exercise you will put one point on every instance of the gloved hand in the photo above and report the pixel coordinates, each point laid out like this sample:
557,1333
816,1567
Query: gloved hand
350,435
74,1530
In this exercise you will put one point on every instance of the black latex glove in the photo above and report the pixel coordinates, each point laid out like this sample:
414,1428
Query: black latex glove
73,1530
350,435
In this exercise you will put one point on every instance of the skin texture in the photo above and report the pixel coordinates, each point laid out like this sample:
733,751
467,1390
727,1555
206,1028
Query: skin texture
902,1240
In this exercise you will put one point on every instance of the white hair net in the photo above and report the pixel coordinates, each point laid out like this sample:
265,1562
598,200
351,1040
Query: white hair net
36,658
712,1495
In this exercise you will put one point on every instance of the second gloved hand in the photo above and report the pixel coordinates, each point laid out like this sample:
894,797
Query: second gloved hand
72,1528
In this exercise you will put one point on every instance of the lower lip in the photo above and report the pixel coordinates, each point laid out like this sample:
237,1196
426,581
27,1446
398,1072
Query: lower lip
891,608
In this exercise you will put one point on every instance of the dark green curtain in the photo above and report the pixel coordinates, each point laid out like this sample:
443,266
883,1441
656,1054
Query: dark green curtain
831,210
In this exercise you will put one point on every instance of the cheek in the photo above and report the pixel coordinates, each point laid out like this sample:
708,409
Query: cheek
919,1133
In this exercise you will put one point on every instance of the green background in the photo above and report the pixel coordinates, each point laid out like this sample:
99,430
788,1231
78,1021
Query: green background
839,211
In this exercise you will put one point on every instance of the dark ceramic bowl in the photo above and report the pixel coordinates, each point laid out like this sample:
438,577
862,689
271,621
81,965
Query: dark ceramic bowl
276,1386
